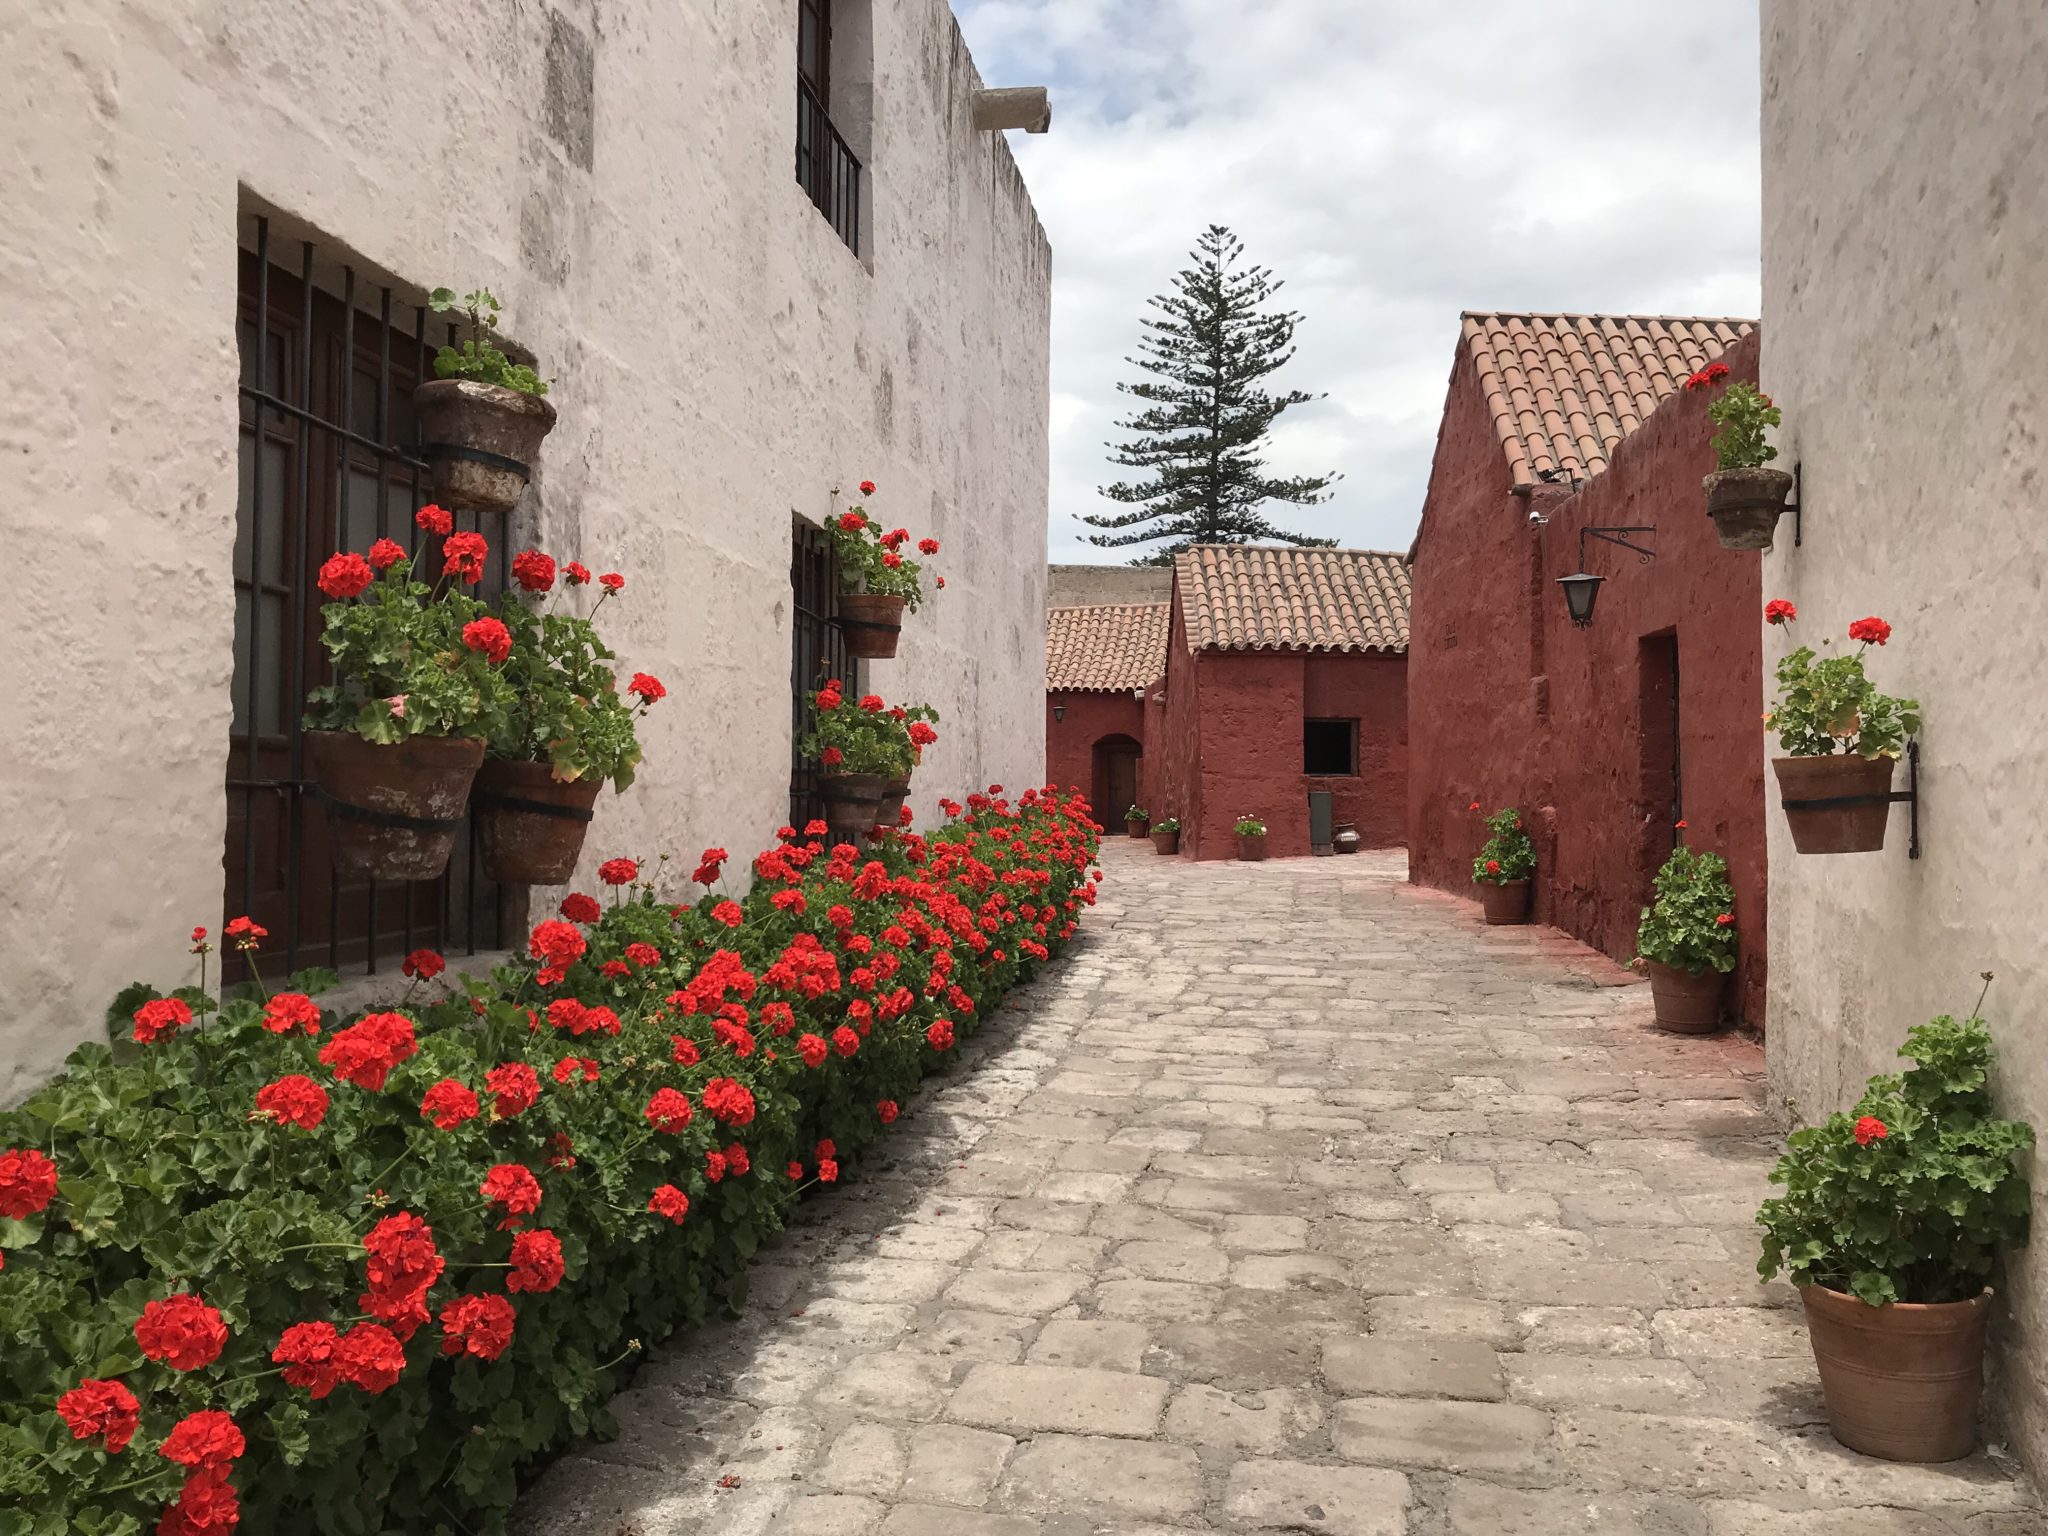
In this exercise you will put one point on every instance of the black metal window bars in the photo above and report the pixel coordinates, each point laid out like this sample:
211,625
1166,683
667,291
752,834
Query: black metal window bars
325,410
817,652
826,168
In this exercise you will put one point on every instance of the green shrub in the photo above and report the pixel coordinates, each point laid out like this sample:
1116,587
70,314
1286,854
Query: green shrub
1690,926
728,1054
1507,854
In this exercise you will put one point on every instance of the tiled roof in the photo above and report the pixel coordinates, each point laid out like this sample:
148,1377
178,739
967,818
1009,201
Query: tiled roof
1249,597
1564,389
1110,648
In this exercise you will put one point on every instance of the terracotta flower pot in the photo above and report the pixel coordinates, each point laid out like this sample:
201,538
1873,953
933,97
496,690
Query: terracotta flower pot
1834,827
853,801
481,440
894,792
1166,842
1746,504
1137,828
1901,1381
530,824
872,625
1505,902
1685,1004
392,811
1251,848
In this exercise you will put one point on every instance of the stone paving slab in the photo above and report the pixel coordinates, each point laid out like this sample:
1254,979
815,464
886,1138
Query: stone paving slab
1294,1200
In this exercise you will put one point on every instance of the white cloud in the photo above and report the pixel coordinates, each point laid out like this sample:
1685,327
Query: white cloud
1394,164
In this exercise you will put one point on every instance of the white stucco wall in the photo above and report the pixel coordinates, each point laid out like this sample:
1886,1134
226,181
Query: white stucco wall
721,361
1905,267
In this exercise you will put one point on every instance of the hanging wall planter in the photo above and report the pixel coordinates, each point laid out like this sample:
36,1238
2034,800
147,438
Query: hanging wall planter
880,580
530,824
1835,804
392,811
1746,504
894,792
483,416
871,623
853,802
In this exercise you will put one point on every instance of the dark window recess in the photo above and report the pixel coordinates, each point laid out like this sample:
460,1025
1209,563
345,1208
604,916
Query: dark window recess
1329,748
327,463
825,167
817,652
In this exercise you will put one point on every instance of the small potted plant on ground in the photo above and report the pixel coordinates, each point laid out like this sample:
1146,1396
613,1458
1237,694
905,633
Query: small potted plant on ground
1745,497
1503,867
1840,738
569,728
1166,835
1137,822
1686,940
878,580
859,748
916,721
482,417
419,683
1893,1218
1251,838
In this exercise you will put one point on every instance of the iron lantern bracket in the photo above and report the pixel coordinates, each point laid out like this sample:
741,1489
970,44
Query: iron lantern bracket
1613,535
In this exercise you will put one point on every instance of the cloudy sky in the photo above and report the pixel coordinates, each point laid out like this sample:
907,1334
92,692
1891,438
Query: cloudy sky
1396,163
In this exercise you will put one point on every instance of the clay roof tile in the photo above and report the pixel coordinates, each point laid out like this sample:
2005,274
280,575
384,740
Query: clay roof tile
1113,648
1251,597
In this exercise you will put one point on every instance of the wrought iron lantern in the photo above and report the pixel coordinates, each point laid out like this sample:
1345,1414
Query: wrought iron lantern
1582,588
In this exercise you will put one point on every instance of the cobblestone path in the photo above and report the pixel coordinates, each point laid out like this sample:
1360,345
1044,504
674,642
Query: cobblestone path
1294,1200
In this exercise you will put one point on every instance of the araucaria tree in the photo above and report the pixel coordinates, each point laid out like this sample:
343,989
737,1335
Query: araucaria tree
1199,437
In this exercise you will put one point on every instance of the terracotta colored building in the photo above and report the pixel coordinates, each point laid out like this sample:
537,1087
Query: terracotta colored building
1099,663
1606,736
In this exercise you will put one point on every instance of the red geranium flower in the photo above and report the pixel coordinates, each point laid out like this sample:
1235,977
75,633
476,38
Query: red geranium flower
207,1438
477,1325
940,1034
709,863
670,1202
579,908
28,1183
307,1352
736,1161
618,871
643,955
845,1041
684,1049
386,553
812,1050
668,1111
888,1111
853,521
463,554
450,1103
612,581
648,688
1870,1129
533,570
828,1171
182,1332
160,1016
513,1186
536,1261
103,1408
928,546
576,573
729,913
730,1102
1493,866
867,487
402,1266
489,637
1872,631
289,1011
426,964
1725,920
831,757
432,519
368,1049
246,932
206,1506
370,1357
294,1100
345,576
514,1087
558,945
1778,611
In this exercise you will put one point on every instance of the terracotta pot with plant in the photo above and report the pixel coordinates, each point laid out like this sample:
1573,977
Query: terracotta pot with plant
1251,838
878,581
482,417
1745,497
859,749
1166,835
569,730
1840,739
1137,823
1503,867
1892,1222
1686,940
419,684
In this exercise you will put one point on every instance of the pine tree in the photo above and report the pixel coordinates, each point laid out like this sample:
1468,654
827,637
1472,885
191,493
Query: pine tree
1208,413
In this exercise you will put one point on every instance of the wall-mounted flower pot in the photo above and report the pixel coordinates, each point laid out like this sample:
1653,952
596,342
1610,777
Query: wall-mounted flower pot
529,823
1685,1004
1138,828
872,625
1505,902
1902,1380
1745,505
853,802
1832,826
1251,849
392,811
894,792
481,440
1166,842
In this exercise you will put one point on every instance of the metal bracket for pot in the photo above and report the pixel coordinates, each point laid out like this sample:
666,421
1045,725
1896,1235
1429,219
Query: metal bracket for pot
481,456
1796,506
845,623
1909,796
349,812
532,807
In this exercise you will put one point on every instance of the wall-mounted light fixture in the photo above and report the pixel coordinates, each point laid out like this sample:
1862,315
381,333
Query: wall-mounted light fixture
1059,711
1581,589
1018,106
1138,694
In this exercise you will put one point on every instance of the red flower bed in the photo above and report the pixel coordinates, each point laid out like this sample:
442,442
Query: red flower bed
355,1275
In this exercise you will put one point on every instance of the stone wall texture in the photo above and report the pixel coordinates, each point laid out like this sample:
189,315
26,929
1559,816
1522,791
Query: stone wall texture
1512,705
1905,295
622,177
1090,586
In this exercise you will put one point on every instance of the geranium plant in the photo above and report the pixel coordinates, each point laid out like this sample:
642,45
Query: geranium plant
567,708
1913,1194
916,722
1827,705
1742,413
1172,824
1508,854
1137,813
409,658
874,560
1250,826
1690,926
478,357
855,738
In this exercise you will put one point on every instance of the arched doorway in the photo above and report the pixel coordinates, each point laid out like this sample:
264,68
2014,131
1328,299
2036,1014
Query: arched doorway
1114,787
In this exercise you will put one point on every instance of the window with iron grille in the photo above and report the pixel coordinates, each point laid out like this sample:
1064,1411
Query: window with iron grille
826,166
328,461
817,652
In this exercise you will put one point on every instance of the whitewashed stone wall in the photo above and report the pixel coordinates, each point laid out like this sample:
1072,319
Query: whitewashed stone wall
1905,301
622,176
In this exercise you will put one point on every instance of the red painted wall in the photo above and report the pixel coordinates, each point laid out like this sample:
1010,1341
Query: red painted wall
1514,706
1070,744
1175,761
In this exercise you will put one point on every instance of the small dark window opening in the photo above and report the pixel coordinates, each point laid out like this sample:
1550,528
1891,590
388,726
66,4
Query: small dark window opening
817,652
825,167
1329,748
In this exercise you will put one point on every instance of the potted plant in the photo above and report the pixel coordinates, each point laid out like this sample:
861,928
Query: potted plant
1891,1223
1136,822
916,721
1745,497
1166,835
482,416
1251,838
395,739
1503,867
568,731
1840,738
878,581
1686,940
859,748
